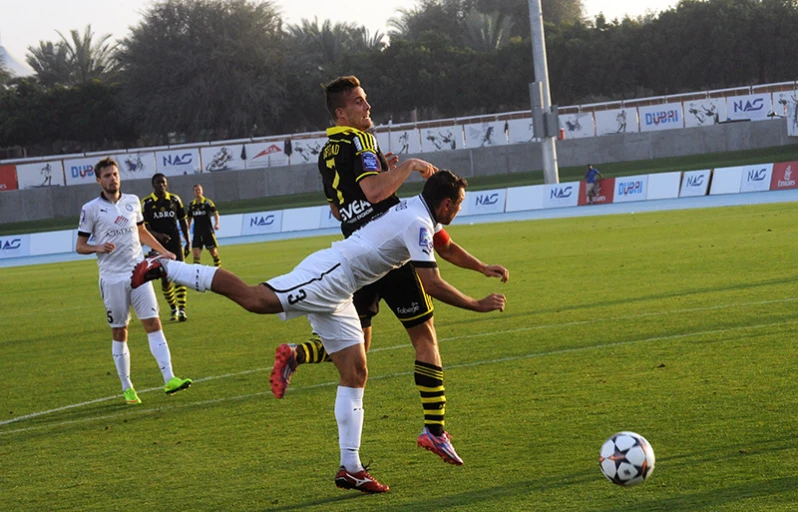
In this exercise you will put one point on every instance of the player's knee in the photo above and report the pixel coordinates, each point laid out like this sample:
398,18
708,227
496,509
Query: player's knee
423,334
360,374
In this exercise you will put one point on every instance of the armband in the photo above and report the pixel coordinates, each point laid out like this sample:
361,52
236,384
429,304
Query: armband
440,239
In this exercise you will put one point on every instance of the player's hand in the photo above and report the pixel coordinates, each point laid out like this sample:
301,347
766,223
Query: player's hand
106,248
216,226
186,250
497,271
492,302
169,255
392,161
426,169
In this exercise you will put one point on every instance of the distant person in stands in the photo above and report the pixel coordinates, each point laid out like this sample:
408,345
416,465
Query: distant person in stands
593,187
165,218
200,211
115,221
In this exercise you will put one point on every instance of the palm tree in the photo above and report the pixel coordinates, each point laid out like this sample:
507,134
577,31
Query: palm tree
78,60
403,23
327,42
486,32
50,63
364,41
90,59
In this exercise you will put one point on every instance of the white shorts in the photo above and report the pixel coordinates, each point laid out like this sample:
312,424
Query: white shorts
118,296
321,288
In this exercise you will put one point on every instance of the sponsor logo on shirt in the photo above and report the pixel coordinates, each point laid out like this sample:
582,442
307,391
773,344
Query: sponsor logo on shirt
121,221
356,210
163,215
425,240
370,161
118,232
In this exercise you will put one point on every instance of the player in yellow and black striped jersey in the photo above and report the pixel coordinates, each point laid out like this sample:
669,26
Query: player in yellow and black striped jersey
200,211
348,157
166,218
360,184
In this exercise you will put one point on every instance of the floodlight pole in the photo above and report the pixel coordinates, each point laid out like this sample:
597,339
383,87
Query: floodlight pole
544,119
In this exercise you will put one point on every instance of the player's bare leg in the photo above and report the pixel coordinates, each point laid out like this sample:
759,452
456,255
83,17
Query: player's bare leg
256,299
367,338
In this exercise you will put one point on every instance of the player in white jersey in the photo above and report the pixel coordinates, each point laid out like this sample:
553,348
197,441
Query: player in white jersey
117,225
321,287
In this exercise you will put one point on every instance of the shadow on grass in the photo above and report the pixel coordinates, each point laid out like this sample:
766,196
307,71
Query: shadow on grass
349,496
528,495
714,498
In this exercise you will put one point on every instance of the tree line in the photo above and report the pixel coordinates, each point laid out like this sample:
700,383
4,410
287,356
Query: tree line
196,70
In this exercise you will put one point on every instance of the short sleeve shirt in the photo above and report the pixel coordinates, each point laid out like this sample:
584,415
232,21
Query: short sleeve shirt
162,214
348,157
201,212
116,223
404,234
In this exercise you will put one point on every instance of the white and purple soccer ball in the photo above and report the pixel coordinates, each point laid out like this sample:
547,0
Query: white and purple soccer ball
626,459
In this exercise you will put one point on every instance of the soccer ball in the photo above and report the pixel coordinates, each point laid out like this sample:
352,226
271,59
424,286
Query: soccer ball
626,459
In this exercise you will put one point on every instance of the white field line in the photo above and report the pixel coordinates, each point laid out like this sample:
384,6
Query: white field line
467,336
388,376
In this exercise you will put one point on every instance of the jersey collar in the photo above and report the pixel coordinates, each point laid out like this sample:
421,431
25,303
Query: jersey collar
335,130
429,210
102,196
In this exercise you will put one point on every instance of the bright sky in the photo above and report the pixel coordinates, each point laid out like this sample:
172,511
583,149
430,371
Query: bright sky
24,23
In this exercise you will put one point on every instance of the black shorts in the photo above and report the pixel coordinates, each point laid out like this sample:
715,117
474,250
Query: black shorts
203,239
402,290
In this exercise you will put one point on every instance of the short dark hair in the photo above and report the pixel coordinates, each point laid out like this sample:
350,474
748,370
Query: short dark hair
155,177
442,185
104,164
337,92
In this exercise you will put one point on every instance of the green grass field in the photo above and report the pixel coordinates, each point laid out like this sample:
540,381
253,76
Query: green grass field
677,325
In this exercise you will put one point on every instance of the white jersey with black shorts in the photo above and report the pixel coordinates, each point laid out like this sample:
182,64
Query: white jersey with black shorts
321,286
118,223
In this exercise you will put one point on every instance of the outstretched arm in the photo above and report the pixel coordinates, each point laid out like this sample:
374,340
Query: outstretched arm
378,187
435,286
456,255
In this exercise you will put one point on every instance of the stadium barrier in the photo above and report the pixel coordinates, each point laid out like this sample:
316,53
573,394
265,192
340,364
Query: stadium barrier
671,185
753,103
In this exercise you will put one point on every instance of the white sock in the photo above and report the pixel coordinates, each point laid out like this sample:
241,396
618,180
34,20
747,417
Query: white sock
122,362
349,415
196,277
160,351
